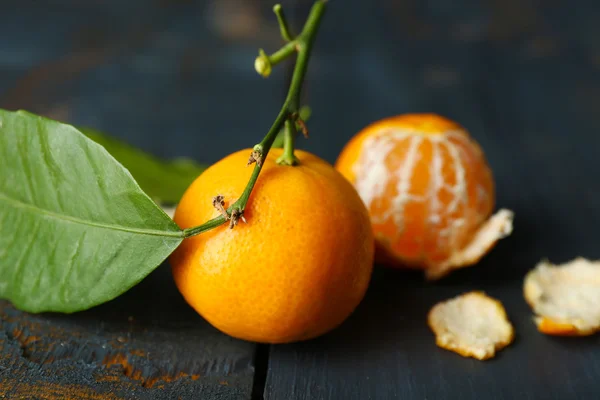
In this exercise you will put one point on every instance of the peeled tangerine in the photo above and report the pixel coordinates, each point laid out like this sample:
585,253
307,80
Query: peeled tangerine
429,191
566,298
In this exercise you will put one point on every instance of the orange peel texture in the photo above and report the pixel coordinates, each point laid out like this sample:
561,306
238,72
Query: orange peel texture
565,297
299,266
472,325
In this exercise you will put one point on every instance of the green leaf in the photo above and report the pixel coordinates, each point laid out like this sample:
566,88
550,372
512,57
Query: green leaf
76,230
164,181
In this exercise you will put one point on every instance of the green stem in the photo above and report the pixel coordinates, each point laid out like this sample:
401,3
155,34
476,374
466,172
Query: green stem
264,63
207,226
283,53
304,48
278,142
286,34
265,145
304,115
290,109
289,139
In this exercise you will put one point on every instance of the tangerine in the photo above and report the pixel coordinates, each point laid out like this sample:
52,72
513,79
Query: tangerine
299,266
429,191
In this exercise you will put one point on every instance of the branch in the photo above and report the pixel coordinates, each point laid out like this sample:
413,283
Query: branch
263,64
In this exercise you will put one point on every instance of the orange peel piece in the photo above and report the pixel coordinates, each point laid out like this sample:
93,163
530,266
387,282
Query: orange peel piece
565,297
472,324
498,226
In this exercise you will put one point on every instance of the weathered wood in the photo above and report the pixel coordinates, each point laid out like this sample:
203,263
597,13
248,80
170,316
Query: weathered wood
386,351
155,75
146,344
528,89
175,78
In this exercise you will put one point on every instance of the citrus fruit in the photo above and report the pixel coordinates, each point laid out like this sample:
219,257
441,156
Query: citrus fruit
429,191
298,267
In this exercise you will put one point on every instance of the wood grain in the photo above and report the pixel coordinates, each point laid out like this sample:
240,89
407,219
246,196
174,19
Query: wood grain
146,344
527,89
175,78
113,66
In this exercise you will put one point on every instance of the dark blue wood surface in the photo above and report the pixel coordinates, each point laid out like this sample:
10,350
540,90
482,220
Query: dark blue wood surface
176,78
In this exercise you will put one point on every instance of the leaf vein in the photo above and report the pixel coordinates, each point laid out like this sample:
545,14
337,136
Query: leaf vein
13,237
22,159
36,285
75,220
71,264
109,264
52,170
21,261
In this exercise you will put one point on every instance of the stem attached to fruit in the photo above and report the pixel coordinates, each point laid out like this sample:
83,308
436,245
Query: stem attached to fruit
304,115
289,138
290,111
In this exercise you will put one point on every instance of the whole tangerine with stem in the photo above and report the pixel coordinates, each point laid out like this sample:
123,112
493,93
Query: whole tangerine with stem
299,266
429,190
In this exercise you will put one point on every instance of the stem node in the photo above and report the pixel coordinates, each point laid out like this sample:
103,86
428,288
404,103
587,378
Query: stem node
255,157
289,115
236,215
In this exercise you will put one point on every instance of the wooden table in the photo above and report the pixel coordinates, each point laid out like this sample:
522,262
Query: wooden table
175,77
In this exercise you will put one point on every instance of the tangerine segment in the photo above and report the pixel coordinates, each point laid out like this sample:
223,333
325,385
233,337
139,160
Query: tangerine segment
429,192
296,270
566,297
472,325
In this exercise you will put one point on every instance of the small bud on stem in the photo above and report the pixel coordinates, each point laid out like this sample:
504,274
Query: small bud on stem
302,46
262,64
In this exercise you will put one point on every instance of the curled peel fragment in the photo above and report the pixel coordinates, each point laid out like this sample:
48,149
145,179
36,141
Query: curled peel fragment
566,297
498,226
472,325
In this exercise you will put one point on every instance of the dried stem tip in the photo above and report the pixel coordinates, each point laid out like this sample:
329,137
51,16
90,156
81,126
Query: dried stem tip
300,123
255,157
219,203
303,127
236,215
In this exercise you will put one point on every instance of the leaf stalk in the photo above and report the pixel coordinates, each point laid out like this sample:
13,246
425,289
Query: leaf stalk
302,45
